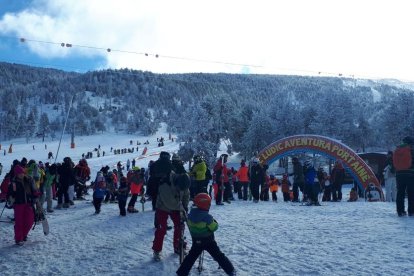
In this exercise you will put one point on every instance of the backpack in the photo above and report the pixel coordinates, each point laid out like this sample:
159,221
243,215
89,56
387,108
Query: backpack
181,181
402,158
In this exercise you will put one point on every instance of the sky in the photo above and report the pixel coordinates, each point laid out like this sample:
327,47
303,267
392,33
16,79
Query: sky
265,238
350,38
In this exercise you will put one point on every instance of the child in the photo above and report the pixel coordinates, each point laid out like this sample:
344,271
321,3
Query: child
202,226
123,195
136,182
99,191
286,188
326,186
353,196
274,186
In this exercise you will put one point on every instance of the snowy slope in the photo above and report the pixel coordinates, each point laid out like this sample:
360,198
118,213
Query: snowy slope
266,238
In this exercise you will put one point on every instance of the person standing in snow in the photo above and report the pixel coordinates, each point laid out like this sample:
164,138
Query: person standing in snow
99,191
337,179
222,180
136,185
170,201
257,177
82,174
202,227
311,187
298,179
390,179
198,171
405,183
123,191
66,178
243,179
22,194
128,164
286,187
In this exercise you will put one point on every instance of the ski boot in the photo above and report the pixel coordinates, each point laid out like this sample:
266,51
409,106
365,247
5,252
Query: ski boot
132,210
157,256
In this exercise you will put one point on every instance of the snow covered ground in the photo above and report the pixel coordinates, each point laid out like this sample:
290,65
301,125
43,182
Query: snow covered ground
266,238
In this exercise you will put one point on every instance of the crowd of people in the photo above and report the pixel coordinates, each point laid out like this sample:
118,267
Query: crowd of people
171,188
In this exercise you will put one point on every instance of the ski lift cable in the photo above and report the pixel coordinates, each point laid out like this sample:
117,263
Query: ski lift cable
108,49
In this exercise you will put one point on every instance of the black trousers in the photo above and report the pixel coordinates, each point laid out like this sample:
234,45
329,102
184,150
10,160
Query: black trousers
405,184
286,197
133,200
212,248
243,191
121,204
254,188
97,203
62,193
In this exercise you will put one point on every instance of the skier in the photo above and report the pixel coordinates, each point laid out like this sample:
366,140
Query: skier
170,200
202,227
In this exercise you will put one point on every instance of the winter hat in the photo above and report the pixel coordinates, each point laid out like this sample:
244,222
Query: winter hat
175,157
164,155
18,170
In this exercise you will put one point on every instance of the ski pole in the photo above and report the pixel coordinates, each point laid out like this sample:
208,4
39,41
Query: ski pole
200,262
5,204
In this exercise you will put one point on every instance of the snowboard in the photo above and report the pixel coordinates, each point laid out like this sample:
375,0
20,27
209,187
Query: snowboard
40,216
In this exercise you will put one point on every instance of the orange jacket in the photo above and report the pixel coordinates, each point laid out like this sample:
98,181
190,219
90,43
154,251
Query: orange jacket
242,174
274,185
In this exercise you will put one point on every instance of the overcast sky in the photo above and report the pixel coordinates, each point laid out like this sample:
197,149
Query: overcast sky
364,38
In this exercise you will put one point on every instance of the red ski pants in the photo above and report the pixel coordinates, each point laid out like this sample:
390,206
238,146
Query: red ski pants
162,217
23,220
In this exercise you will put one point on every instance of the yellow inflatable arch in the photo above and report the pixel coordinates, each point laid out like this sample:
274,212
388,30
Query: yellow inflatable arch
334,149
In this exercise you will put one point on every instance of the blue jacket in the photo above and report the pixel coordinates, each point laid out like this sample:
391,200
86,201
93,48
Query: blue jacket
310,176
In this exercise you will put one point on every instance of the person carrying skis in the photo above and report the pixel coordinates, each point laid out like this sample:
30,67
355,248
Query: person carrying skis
171,199
82,174
22,195
202,226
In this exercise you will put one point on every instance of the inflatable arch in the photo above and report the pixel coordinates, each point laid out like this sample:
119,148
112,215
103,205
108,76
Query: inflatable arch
291,145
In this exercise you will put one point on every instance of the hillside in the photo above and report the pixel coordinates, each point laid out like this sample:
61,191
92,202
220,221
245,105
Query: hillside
249,110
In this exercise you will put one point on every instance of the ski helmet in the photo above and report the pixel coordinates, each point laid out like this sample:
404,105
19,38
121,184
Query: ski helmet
202,201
